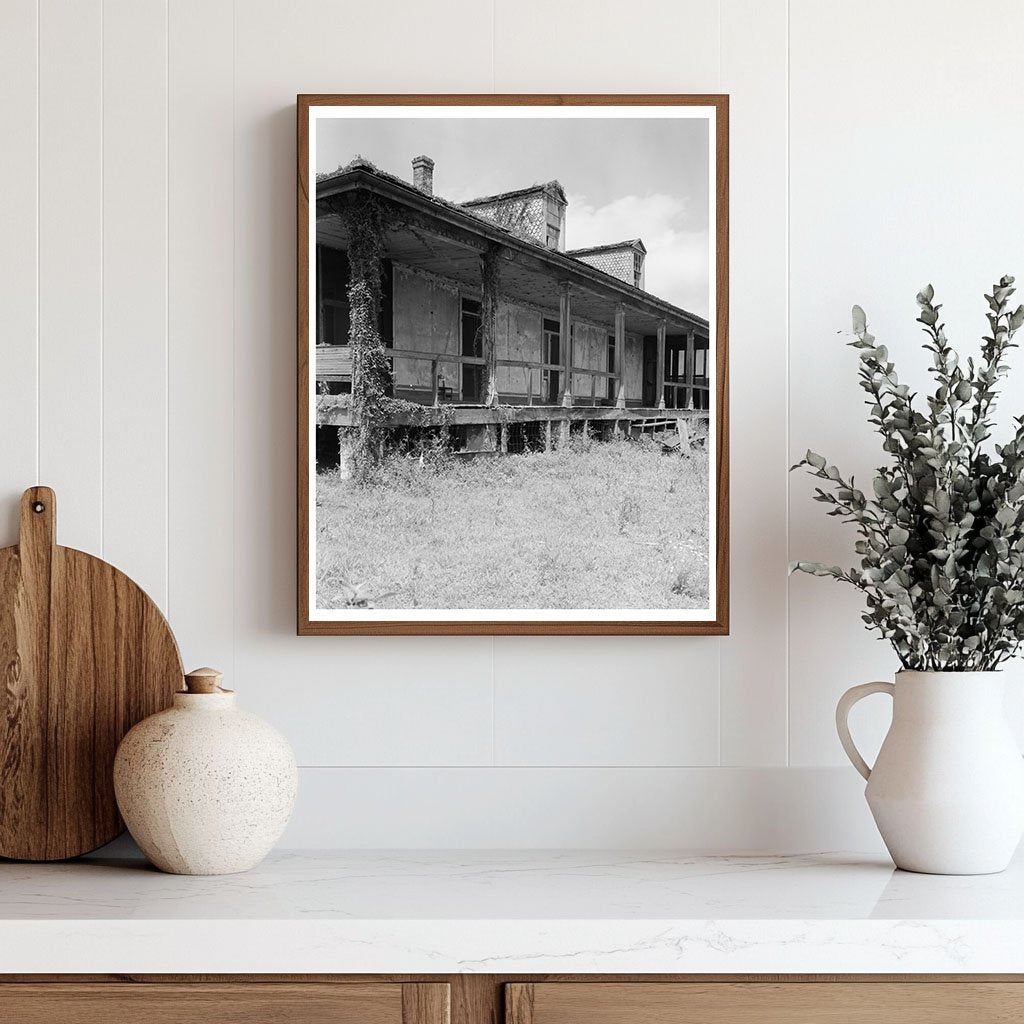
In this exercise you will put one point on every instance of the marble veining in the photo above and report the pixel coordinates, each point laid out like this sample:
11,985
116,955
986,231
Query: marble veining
494,912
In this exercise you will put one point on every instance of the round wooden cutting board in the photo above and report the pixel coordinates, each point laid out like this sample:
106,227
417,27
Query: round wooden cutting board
84,655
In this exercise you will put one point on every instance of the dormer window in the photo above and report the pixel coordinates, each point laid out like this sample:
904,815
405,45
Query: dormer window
536,213
624,260
554,207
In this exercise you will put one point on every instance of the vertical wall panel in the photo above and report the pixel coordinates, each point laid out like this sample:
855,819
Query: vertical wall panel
323,46
610,53
753,667
605,700
165,288
135,290
70,266
361,702
582,46
200,296
905,163
18,51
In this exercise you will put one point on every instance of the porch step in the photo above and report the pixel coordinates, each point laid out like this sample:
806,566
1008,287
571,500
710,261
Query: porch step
654,425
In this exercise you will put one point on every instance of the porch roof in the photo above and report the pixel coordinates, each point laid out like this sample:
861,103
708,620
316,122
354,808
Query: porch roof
443,238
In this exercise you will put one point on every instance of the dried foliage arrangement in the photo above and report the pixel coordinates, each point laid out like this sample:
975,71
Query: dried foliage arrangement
941,539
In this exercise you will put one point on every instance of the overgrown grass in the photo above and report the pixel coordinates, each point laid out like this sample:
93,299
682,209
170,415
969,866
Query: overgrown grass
596,525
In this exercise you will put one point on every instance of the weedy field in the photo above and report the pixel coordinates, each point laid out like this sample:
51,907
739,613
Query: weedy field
594,525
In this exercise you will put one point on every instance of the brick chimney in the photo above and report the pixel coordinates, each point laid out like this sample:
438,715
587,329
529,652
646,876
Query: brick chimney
423,174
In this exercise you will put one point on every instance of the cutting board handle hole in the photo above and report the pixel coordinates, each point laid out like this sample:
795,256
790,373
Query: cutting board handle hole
38,506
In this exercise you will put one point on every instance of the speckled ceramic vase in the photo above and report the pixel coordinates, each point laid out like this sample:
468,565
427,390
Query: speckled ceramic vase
204,788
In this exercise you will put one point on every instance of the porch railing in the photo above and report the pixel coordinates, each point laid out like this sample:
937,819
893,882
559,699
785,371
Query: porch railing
335,362
680,395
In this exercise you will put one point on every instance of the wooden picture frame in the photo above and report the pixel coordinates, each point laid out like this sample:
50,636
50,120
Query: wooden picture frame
319,410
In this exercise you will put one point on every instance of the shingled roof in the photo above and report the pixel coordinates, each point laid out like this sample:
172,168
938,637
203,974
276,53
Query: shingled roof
547,186
629,243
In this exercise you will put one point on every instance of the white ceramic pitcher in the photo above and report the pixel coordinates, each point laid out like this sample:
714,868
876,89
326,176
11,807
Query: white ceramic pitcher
947,789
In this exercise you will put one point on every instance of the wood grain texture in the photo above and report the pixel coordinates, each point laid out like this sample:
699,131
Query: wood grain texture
426,1004
719,626
476,999
212,1004
765,1003
84,655
519,1004
478,984
516,999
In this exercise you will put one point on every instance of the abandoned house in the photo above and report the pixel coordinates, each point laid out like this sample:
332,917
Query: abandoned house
490,326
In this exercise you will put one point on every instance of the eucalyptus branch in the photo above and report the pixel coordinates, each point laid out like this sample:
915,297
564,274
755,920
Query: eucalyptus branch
941,538
1004,325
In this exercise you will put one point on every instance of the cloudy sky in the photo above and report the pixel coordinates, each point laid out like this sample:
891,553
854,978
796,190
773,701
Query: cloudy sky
624,177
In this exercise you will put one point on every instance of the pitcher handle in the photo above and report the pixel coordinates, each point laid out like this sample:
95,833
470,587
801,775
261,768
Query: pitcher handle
846,702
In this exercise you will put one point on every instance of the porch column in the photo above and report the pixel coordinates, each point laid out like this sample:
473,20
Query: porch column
348,445
365,223
660,375
490,276
565,340
690,364
620,350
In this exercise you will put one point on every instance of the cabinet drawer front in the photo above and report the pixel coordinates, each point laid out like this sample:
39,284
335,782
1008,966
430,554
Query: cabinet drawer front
241,1003
766,1003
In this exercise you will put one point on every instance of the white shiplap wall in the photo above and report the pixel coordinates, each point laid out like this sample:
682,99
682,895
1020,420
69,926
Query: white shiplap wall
147,288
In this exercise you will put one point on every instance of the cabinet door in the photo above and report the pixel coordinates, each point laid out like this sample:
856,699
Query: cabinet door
241,1003
862,1002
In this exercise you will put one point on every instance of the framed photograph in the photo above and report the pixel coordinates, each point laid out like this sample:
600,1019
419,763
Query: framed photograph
512,364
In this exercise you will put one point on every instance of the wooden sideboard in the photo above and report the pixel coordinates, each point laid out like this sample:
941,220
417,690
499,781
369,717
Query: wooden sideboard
765,1002
498,999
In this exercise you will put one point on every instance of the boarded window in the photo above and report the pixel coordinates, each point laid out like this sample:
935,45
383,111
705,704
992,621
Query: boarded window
551,355
472,346
611,394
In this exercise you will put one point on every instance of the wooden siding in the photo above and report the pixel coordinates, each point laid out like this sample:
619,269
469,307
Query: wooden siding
426,319
518,336
590,351
633,368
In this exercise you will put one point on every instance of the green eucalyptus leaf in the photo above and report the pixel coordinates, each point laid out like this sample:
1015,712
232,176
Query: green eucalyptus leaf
941,537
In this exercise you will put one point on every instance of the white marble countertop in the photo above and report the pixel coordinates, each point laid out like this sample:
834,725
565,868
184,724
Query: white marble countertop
490,912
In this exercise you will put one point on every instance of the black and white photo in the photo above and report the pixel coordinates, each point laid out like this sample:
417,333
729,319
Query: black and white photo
512,365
